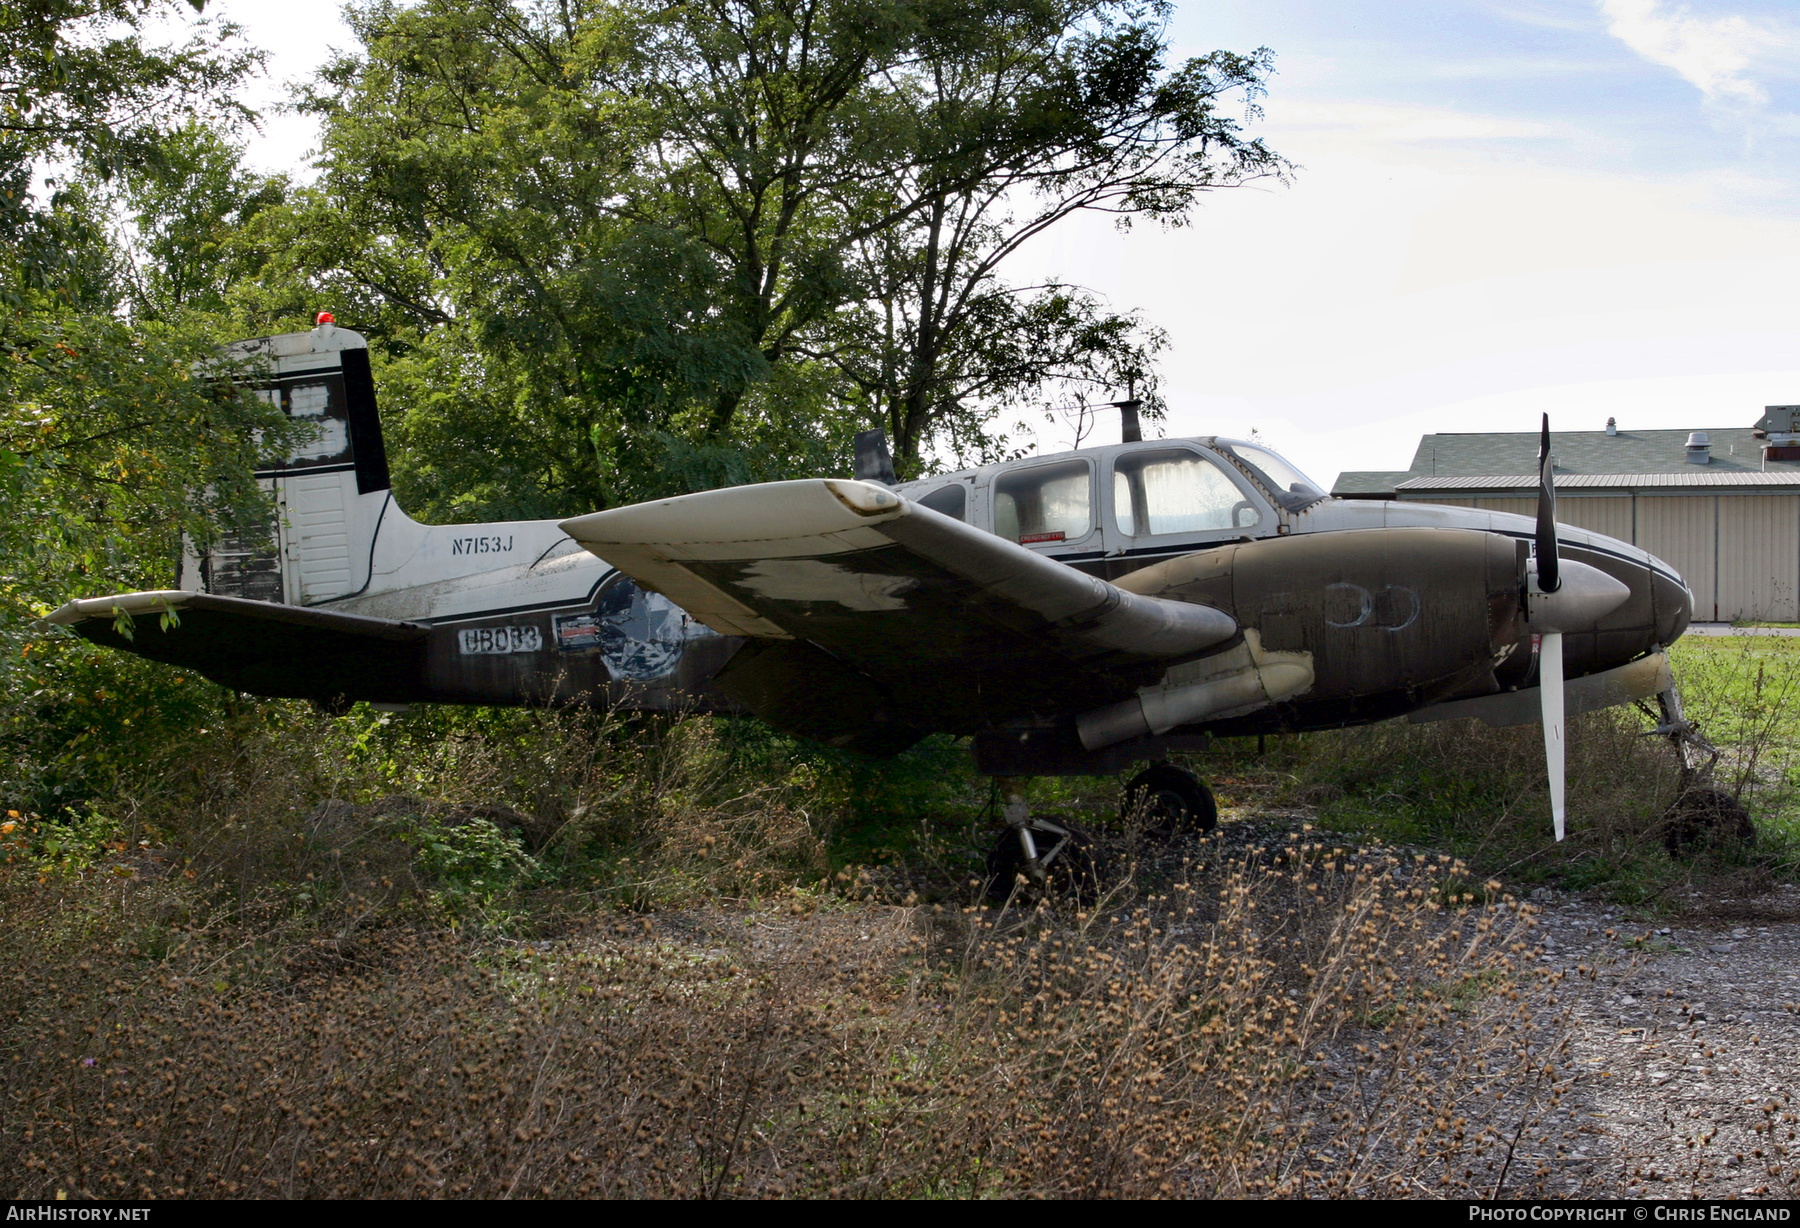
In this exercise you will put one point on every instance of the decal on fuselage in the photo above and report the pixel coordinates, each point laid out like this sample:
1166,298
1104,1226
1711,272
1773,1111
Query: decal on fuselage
577,632
498,641
640,635
481,545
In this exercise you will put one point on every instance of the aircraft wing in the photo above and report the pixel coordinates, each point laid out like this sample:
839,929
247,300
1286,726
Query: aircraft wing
259,646
873,618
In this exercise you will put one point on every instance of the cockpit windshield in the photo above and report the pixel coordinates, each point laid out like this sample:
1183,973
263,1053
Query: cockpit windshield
1282,477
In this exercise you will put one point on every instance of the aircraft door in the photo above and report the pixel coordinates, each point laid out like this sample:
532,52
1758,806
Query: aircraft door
1176,498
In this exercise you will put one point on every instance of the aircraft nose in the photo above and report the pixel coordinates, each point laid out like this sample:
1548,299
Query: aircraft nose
1674,606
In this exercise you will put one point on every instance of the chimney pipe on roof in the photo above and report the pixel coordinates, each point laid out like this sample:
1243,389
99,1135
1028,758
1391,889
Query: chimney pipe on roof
1612,426
1699,448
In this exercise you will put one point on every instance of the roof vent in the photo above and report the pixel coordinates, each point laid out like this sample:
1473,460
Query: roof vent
1699,448
1612,426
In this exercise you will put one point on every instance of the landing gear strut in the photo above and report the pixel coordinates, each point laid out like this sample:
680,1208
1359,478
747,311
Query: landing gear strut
1701,813
1163,800
1050,855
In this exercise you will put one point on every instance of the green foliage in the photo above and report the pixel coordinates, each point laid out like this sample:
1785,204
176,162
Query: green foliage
113,444
189,209
611,251
111,447
81,87
73,843
77,720
471,864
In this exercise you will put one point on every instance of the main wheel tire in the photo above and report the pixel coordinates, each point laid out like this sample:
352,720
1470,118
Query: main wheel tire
1163,800
1075,873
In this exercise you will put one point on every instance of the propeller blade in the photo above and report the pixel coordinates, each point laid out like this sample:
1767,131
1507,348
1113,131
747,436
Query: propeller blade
1550,689
1549,574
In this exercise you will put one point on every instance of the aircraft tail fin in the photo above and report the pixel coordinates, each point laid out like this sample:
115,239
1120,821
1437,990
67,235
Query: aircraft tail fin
329,495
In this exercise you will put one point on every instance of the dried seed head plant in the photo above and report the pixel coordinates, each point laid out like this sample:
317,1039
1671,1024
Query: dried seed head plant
1314,1021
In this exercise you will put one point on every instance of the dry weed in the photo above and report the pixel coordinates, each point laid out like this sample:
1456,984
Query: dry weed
1322,1023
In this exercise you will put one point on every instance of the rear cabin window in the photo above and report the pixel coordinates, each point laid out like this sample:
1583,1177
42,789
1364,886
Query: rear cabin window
1176,492
950,500
1046,503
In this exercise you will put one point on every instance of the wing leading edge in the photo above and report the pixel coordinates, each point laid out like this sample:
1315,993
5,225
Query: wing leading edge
873,618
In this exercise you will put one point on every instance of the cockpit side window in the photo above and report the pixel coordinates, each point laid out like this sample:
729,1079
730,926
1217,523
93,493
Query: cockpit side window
1045,503
951,500
1176,491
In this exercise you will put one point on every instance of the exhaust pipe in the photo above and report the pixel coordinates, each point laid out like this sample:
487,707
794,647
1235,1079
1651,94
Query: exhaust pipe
1241,680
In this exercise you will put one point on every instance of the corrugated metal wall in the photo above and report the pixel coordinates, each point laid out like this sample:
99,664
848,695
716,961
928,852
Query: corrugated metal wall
1518,507
1612,517
1682,531
1759,557
1739,553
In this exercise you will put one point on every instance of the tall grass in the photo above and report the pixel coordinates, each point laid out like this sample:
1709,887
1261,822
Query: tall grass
459,953
1482,792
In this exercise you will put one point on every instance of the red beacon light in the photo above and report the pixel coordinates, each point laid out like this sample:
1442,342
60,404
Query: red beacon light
324,318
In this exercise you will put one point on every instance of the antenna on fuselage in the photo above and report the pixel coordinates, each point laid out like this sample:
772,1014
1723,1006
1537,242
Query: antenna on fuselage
1129,429
873,461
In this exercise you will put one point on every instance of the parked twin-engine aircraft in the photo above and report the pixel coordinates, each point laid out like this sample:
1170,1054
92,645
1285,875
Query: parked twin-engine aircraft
1071,614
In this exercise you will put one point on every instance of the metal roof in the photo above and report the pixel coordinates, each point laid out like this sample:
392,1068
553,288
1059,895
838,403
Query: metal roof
1633,455
1695,476
1733,448
1370,482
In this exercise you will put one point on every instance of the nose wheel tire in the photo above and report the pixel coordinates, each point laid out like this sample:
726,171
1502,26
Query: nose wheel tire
1163,800
1068,866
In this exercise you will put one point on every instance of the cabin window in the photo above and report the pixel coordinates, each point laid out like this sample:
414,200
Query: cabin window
1176,492
1045,503
950,500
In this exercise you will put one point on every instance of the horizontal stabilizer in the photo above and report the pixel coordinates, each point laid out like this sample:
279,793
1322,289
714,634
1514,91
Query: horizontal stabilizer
957,626
258,646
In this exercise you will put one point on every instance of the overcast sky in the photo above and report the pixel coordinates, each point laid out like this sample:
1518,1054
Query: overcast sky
1590,207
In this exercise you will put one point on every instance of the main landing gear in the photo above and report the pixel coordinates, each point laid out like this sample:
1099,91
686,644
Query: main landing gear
1164,800
1050,855
1053,856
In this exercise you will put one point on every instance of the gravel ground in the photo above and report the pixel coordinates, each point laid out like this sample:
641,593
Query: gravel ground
1686,1047
1684,1043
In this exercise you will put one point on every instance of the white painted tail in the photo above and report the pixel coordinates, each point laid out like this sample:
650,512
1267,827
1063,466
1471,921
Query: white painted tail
330,496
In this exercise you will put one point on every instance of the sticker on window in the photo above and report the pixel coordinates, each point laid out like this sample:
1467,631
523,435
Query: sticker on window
498,641
1032,538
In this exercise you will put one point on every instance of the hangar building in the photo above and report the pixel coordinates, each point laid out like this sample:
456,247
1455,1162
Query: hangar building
1721,506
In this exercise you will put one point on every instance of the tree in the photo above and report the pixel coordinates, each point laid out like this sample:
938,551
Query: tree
80,86
663,247
186,211
1076,112
110,446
